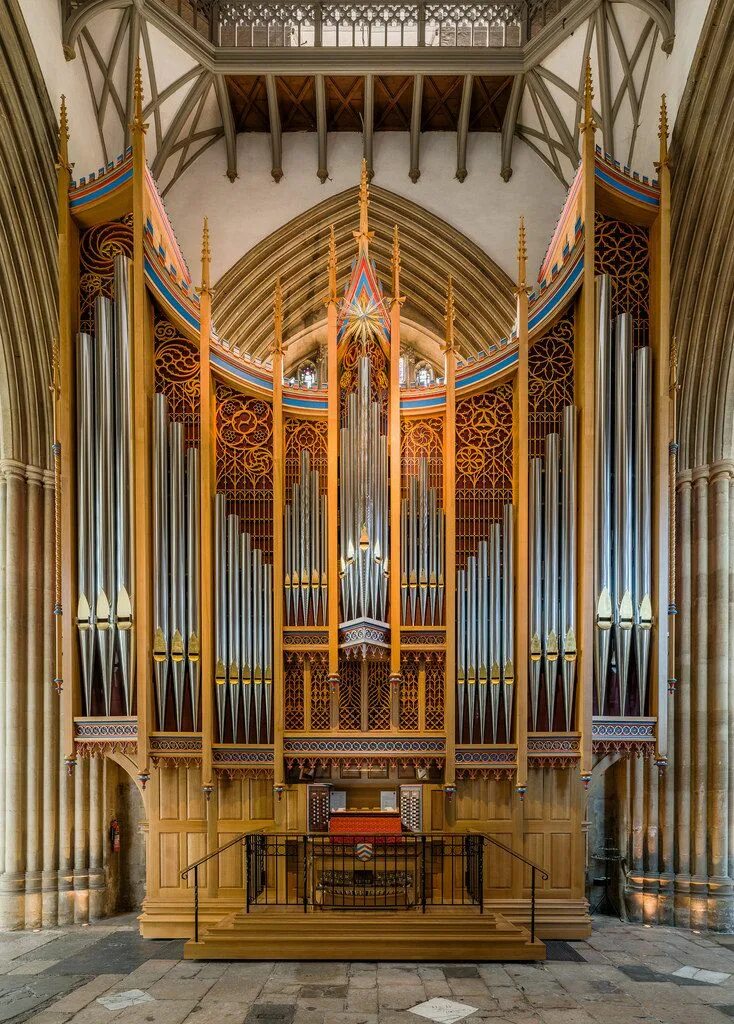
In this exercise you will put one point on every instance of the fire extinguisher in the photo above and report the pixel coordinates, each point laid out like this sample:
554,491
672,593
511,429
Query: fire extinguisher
115,835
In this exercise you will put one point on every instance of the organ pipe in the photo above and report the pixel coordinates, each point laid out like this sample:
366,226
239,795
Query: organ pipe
104,511
623,504
193,649
177,595
484,640
551,607
243,630
421,573
603,483
643,518
363,489
86,565
535,563
160,553
305,548
123,478
568,561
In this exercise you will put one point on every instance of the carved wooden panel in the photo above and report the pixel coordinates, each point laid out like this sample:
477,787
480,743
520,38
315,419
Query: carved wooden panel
320,691
350,695
378,695
551,382
435,678
623,252
408,707
176,370
483,466
294,711
98,247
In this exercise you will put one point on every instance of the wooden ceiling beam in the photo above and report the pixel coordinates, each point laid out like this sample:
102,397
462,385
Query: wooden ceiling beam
276,135
368,124
230,133
463,132
321,127
415,129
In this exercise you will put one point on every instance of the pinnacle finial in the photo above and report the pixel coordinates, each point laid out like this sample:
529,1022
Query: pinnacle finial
396,265
63,134
278,318
588,118
364,234
206,258
450,315
332,265
138,124
522,255
663,130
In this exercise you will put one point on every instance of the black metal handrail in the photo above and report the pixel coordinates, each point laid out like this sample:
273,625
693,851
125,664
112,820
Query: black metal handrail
195,865
535,869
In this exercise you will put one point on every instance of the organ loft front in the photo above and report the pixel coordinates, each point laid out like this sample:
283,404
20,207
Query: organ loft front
363,631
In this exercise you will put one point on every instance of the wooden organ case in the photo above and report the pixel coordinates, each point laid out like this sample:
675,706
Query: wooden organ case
460,592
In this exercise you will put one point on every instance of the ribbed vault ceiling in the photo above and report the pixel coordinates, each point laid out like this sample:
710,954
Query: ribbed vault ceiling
430,250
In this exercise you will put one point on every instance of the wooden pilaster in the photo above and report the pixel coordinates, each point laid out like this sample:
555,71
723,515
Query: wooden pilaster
521,411
207,485
449,499
585,345
142,386
66,675
395,481
332,482
278,507
663,453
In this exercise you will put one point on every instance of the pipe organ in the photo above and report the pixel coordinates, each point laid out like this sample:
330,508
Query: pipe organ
273,585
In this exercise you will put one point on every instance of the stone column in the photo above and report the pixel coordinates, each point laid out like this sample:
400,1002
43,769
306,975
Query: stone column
33,684
96,839
3,658
719,882
637,860
652,864
81,841
683,707
699,698
15,670
49,877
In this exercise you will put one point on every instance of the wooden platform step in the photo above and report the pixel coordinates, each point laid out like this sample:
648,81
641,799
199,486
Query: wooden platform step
446,935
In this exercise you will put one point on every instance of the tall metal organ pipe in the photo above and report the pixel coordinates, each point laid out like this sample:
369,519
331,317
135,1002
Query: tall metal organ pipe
568,561
643,518
161,512
364,560
193,628
484,636
603,485
86,565
422,528
177,594
535,565
124,563
305,548
105,493
551,572
623,505
243,630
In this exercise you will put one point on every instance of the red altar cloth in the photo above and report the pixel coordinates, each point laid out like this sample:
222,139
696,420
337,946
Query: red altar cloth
364,827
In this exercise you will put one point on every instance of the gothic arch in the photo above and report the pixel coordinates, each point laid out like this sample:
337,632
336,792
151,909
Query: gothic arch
430,250
28,251
702,254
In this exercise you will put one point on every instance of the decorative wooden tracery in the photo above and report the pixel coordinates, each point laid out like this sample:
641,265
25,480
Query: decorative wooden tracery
623,252
550,386
98,247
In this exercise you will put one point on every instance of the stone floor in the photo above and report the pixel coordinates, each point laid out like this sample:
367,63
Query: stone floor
624,974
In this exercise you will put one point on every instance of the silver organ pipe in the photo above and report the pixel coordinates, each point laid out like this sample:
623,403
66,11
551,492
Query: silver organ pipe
535,563
105,494
243,631
176,645
551,573
305,549
123,479
161,511
623,502
643,519
603,484
177,596
422,526
220,608
363,490
568,561
193,627
86,565
484,636
508,619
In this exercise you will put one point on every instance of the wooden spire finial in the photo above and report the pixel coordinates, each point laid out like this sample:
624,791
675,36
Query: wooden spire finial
450,315
522,255
206,259
364,234
278,318
64,135
588,118
397,297
663,131
138,124
332,265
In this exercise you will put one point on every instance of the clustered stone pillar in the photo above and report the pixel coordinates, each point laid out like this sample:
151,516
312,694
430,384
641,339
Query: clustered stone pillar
51,826
687,877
